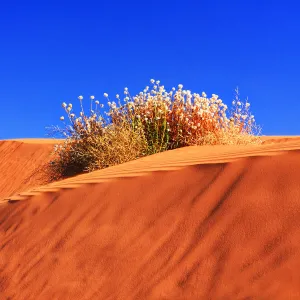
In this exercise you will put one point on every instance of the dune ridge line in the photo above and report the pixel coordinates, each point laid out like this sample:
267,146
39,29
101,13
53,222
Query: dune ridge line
165,161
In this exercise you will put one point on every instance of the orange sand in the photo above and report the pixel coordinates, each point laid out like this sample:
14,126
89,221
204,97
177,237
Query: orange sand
19,163
213,222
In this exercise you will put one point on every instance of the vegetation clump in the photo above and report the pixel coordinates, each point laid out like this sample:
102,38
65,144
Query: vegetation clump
153,121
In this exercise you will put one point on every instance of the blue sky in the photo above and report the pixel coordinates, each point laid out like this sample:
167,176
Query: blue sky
54,51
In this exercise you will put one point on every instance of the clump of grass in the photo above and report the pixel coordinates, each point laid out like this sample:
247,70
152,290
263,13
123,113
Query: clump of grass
153,121
89,146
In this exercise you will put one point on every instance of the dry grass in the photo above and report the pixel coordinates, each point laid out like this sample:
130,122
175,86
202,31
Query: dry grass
151,122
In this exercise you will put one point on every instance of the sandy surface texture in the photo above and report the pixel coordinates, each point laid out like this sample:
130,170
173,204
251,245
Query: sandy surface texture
207,222
19,166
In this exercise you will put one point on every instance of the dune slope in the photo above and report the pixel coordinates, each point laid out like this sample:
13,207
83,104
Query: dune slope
170,160
215,231
20,163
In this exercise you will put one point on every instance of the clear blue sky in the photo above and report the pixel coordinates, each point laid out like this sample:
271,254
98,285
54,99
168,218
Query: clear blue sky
54,51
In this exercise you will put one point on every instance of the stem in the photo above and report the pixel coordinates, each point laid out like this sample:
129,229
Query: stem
81,106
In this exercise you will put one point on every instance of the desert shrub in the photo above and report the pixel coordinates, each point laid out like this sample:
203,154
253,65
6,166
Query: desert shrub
153,121
90,151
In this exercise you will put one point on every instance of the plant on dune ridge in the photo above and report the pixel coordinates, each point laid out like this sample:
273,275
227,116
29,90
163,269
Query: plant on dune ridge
153,121
90,145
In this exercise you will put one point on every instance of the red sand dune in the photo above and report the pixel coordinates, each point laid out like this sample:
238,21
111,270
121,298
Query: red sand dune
224,224
19,163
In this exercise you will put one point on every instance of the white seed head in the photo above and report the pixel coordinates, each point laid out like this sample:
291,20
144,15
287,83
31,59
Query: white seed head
152,81
69,108
117,96
62,118
92,97
80,97
180,86
64,104
105,95
97,102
